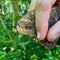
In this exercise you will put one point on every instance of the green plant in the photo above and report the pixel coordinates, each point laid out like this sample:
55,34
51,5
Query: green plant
15,46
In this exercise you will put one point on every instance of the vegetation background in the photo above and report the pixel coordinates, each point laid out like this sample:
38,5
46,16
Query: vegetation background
15,46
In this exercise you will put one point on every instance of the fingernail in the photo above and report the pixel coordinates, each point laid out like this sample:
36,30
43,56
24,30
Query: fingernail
38,35
56,37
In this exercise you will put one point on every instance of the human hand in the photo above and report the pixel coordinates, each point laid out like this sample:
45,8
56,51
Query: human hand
43,9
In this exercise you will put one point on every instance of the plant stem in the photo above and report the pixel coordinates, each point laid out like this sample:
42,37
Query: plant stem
5,27
15,11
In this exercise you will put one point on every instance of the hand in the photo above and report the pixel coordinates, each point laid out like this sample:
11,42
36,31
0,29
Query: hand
43,9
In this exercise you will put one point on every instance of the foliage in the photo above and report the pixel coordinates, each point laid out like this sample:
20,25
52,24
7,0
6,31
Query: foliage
15,46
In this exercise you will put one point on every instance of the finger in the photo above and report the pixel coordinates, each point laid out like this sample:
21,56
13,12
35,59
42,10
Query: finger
43,9
54,32
42,17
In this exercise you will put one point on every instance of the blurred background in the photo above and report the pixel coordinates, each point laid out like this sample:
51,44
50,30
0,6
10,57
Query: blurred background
15,46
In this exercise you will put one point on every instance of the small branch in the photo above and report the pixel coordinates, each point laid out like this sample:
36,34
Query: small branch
5,27
15,11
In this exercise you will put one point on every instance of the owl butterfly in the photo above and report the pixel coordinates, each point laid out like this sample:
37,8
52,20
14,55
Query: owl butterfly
26,25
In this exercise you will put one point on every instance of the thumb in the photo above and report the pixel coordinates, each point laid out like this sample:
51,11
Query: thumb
42,17
54,32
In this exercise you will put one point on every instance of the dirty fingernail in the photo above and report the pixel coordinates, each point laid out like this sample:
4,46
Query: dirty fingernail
38,35
57,36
